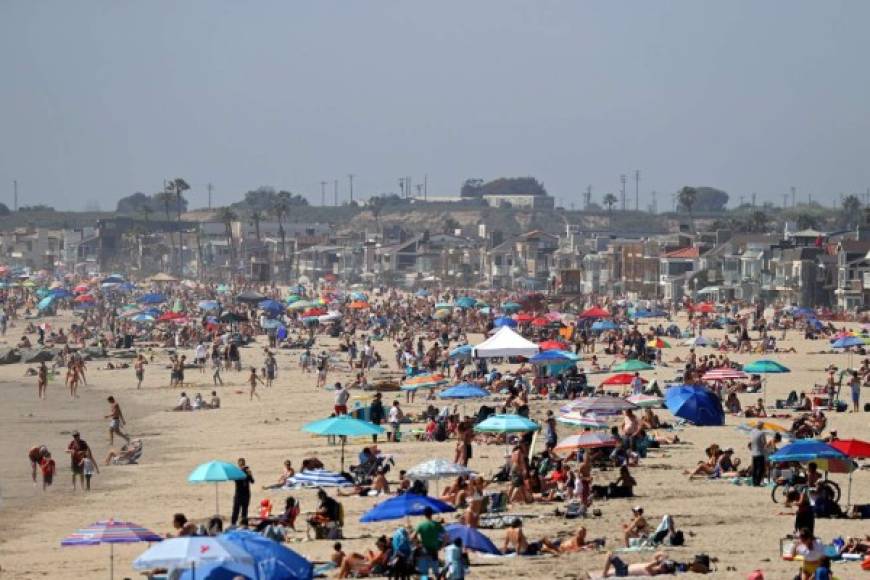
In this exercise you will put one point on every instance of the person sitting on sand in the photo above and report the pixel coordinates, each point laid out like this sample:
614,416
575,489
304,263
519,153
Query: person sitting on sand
649,420
637,527
183,403
374,563
379,486
286,474
615,567
756,410
732,403
215,401
708,467
515,542
127,454
181,526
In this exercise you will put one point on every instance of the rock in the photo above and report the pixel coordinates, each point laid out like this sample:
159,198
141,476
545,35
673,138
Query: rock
9,356
37,355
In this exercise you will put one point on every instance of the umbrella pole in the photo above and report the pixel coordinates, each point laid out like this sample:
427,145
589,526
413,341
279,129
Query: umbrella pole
342,454
112,553
217,509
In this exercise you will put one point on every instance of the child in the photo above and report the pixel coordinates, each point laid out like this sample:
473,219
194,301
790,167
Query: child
253,380
88,469
823,572
46,464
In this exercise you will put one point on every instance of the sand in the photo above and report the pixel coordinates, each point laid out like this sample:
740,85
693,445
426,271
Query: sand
738,525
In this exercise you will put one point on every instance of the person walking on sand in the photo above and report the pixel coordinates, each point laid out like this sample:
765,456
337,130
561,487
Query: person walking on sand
35,455
48,468
78,449
41,380
139,367
216,364
253,379
116,420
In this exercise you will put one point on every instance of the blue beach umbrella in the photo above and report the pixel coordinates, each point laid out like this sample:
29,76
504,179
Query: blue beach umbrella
552,357
695,404
208,305
472,538
215,472
504,321
464,391
805,450
765,366
61,293
466,302
270,306
342,426
506,424
405,505
847,342
604,324
45,302
463,351
152,298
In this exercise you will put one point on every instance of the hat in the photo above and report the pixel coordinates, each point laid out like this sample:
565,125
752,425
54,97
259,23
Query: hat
729,450
637,509
75,433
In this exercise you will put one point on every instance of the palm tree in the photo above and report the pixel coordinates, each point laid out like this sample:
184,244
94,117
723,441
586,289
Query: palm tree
228,216
166,198
758,222
687,197
609,201
851,209
282,210
178,186
257,216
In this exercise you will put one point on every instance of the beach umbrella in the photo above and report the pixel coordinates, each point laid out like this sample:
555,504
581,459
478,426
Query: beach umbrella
208,305
342,426
472,539
270,306
697,341
358,296
422,293
215,472
61,293
723,374
854,448
599,405
632,365
827,458
511,307
704,308
110,532
697,405
170,316
83,298
765,366
506,424
81,289
45,302
645,401
152,298
848,342
586,441
443,306
318,478
553,345
658,343
466,302
272,560
405,505
504,321
193,551
329,317
436,469
358,305
300,305
250,297
523,317
463,351
540,322
602,325
580,419
464,391
142,318
552,357
594,312
621,379
230,317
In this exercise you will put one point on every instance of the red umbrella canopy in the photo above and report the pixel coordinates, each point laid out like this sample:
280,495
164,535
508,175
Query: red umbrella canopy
81,288
524,317
169,315
595,312
540,322
314,312
553,345
84,298
854,448
704,308
621,379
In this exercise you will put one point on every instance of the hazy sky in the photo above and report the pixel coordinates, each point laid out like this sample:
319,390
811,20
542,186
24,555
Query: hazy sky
102,99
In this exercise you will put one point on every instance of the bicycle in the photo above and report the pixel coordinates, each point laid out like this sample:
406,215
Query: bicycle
783,490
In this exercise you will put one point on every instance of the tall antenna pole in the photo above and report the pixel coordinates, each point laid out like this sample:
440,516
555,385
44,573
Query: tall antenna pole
350,181
323,193
335,191
655,203
14,195
622,190
587,201
793,196
426,187
784,200
753,199
209,187
636,189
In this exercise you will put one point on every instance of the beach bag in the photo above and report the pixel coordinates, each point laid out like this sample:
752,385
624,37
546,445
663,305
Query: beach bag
677,538
701,564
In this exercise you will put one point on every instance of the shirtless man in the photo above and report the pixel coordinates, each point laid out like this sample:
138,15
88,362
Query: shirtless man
584,471
116,420
615,567
41,380
35,455
637,527
515,541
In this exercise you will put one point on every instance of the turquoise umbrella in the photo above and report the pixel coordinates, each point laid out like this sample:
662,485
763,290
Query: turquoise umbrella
45,302
216,472
510,307
342,426
466,302
765,366
506,424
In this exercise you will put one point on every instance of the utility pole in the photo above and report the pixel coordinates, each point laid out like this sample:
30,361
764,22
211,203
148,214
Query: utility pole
587,198
753,199
793,196
322,193
622,190
350,181
419,190
401,187
14,195
784,200
741,201
335,191
655,203
426,187
637,190
209,187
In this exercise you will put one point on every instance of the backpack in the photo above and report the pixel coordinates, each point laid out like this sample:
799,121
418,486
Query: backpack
677,538
701,564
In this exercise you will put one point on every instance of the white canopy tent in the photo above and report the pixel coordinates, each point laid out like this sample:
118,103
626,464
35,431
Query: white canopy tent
505,342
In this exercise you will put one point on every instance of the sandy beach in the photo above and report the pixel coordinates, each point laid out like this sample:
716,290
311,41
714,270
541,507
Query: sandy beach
738,525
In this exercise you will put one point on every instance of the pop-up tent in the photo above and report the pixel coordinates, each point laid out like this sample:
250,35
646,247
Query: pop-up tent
505,342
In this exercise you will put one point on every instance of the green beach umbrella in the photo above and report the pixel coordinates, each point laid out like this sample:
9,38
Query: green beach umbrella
632,366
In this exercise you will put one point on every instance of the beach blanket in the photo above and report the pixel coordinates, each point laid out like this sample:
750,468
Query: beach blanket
317,478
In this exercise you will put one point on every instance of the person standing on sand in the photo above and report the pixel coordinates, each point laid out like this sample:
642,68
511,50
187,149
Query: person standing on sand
757,446
35,455
242,497
116,420
41,380
139,367
78,449
253,379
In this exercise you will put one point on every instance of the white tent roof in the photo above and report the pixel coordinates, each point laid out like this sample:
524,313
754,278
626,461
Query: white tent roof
504,343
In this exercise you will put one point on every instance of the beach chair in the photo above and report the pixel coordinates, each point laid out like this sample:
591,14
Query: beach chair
130,455
333,530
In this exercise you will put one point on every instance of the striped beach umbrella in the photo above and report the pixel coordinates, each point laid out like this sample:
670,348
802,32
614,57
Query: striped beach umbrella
590,420
599,405
723,374
587,441
110,532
